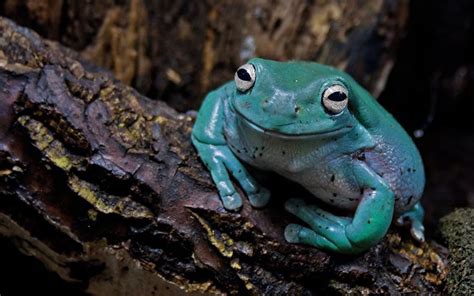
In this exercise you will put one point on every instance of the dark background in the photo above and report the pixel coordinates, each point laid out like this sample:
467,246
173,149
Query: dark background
430,85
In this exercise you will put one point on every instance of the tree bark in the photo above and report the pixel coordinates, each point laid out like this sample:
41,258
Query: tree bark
102,185
176,50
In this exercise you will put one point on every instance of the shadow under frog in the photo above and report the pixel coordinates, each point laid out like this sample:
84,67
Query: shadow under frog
314,125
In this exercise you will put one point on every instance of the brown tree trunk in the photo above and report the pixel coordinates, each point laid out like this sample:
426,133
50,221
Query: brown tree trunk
177,50
102,185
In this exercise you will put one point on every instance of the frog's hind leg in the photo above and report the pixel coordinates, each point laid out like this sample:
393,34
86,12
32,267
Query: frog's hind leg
415,217
369,224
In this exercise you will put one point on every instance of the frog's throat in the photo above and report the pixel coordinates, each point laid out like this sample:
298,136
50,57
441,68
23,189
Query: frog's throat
279,134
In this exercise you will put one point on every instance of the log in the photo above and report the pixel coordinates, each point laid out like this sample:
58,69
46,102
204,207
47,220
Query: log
102,185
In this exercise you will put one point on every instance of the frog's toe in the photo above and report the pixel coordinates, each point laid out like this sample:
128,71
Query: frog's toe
232,202
414,219
292,233
417,231
298,234
400,220
260,198
293,205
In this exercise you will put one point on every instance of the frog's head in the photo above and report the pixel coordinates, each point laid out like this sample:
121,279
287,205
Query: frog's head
294,98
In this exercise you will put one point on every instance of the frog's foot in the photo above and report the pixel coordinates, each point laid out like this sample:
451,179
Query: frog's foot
328,231
220,160
414,218
260,198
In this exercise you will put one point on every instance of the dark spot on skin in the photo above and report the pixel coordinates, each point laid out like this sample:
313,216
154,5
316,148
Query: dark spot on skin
409,199
334,194
255,148
361,156
238,151
319,226
260,154
381,174
351,199
246,151
247,105
333,178
240,171
297,109
414,170
326,227
331,200
283,152
401,172
372,188
357,134
361,190
409,170
263,147
266,101
368,221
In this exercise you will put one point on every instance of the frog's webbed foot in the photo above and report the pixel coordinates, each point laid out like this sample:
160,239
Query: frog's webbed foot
220,160
343,234
327,230
414,217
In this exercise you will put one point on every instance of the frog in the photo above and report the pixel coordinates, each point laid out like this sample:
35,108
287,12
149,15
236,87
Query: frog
314,125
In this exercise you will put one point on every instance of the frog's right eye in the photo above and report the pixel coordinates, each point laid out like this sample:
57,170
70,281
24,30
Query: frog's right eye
245,77
335,98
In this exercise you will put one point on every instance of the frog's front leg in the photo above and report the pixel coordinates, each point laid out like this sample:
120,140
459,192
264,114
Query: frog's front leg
208,138
219,159
370,223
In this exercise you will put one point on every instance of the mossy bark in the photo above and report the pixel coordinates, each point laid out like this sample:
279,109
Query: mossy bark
102,185
458,230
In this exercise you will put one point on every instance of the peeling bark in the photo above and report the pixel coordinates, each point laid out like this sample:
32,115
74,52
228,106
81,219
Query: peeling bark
102,185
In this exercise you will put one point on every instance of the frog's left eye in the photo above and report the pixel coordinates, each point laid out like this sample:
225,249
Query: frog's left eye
245,77
335,98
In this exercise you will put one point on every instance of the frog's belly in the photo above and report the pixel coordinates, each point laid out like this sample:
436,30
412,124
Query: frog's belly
329,180
326,170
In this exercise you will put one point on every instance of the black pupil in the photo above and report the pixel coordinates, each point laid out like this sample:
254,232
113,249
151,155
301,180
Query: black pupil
243,75
337,96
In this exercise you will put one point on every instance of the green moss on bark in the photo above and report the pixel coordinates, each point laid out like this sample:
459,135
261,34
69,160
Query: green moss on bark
458,230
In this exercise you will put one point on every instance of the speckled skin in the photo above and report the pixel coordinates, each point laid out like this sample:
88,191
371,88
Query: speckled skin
360,159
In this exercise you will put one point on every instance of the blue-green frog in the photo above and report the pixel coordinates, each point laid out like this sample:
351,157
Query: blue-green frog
316,126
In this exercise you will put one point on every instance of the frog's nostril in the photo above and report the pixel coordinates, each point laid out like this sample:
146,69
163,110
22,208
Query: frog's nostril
265,104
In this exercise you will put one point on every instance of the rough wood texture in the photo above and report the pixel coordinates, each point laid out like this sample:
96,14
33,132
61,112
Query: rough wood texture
458,230
102,185
176,50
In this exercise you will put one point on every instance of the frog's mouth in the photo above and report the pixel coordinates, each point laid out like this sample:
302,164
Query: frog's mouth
280,134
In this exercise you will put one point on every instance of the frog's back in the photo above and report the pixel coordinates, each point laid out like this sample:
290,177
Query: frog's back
395,157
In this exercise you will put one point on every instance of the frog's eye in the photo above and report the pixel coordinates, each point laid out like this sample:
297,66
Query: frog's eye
335,98
245,77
